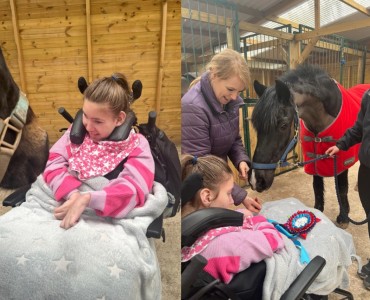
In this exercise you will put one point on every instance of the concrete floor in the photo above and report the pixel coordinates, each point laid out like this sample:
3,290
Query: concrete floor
299,185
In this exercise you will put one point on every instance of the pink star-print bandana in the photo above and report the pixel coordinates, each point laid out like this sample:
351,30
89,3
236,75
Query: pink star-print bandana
202,242
91,159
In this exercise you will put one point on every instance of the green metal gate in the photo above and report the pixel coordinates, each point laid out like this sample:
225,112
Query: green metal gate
208,26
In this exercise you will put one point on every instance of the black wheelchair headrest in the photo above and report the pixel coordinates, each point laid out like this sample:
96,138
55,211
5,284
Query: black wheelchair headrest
190,185
137,87
82,84
200,221
120,133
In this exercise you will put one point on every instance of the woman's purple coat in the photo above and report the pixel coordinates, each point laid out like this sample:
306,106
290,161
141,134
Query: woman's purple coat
209,128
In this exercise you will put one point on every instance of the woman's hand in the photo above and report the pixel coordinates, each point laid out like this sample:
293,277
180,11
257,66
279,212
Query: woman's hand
71,210
332,150
243,170
253,205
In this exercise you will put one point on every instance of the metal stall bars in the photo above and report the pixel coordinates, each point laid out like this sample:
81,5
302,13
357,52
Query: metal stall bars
208,27
342,58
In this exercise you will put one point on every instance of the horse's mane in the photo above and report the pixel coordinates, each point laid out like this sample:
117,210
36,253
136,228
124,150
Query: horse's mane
314,81
267,111
305,79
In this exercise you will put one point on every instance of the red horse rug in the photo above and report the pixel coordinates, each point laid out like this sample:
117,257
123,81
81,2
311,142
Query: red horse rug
315,145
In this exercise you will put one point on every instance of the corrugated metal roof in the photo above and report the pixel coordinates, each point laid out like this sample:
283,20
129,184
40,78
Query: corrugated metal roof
206,31
330,11
296,11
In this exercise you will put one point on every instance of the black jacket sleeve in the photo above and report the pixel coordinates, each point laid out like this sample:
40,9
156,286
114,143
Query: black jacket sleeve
354,134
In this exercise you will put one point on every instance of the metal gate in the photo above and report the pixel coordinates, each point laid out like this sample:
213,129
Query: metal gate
208,26
343,59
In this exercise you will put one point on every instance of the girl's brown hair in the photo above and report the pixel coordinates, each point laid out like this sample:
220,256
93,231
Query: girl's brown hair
214,171
226,64
113,90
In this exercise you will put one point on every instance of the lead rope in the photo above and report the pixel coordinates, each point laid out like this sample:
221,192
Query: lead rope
319,157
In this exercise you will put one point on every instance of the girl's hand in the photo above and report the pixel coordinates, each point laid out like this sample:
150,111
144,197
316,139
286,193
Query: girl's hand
332,150
72,209
243,170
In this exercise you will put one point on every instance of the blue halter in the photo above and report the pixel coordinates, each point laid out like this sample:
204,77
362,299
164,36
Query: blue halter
283,160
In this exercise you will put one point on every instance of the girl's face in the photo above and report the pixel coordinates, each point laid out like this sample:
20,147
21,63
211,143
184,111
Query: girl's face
99,120
227,90
224,198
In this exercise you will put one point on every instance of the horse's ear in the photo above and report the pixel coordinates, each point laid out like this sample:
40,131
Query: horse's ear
259,88
282,91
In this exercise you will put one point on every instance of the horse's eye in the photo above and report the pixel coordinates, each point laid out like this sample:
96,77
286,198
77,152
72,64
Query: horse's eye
283,126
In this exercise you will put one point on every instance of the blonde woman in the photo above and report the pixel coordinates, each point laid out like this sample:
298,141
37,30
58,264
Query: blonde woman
210,117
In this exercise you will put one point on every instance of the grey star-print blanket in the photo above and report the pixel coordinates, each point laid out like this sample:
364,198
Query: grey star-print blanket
325,239
99,258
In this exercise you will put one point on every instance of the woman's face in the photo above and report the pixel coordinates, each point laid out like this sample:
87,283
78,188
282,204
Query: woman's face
99,120
224,198
227,90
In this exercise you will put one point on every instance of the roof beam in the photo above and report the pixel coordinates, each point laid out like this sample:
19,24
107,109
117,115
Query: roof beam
249,27
281,21
317,14
277,9
205,32
263,17
191,51
312,42
356,6
246,26
332,29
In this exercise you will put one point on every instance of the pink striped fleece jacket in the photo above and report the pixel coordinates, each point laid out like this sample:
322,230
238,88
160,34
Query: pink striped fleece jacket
230,250
120,195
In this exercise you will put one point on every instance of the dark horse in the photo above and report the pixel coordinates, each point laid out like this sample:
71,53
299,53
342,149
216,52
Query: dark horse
30,157
307,93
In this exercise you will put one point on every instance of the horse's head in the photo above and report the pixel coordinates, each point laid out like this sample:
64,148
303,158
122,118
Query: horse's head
272,118
9,91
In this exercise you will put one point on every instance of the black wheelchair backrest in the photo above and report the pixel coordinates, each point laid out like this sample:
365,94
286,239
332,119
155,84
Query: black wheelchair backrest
200,221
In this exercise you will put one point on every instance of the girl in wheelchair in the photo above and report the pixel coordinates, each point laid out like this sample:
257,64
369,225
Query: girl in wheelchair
105,107
230,249
101,187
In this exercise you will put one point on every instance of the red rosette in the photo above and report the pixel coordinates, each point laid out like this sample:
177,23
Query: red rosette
301,222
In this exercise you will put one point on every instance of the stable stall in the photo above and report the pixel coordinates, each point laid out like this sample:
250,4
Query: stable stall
48,45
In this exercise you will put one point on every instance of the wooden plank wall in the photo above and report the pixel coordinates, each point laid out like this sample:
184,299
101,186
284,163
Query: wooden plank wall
49,44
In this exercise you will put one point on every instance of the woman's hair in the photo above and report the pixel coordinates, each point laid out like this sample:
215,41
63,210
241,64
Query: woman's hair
113,90
226,64
214,171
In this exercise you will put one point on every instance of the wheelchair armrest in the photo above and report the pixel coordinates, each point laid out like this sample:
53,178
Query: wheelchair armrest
189,275
18,197
155,229
200,221
304,279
